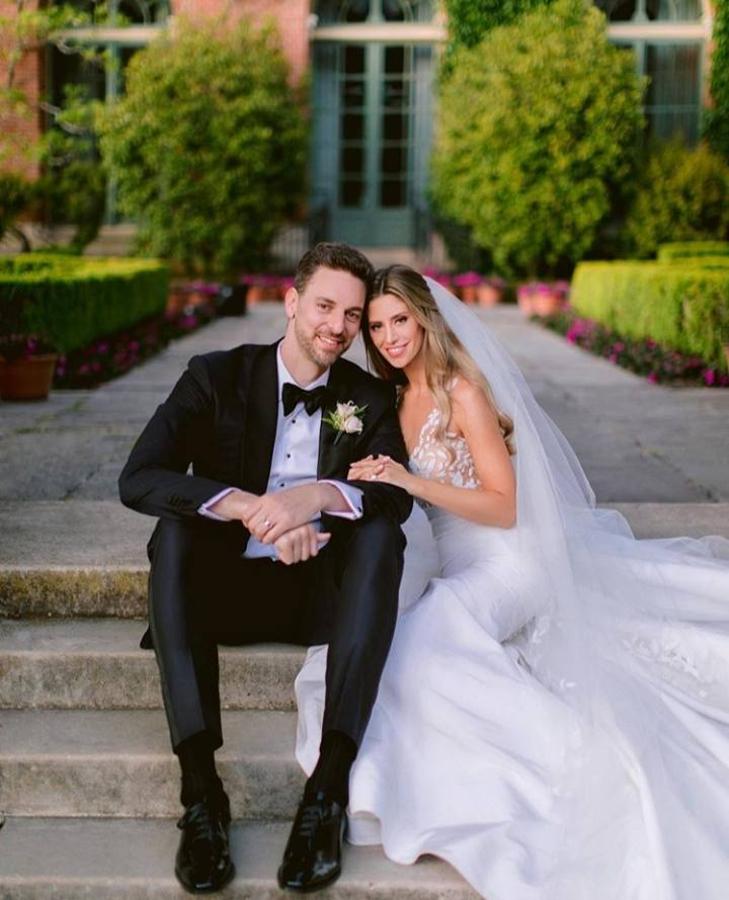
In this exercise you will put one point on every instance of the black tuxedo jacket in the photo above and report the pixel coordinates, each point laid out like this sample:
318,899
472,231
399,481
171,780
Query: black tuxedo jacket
221,419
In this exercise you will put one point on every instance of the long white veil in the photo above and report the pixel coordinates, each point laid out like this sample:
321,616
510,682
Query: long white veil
634,635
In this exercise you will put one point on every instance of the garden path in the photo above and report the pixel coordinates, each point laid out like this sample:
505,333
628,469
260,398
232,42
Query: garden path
638,442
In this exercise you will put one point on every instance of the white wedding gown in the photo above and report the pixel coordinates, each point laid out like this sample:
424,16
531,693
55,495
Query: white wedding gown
470,756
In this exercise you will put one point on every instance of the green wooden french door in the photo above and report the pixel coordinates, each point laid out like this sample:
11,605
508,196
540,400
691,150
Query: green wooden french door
371,139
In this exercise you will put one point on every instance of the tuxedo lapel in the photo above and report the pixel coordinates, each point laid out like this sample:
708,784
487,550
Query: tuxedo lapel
260,387
333,456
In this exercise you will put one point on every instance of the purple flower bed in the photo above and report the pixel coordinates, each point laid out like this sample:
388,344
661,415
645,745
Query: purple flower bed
113,355
659,364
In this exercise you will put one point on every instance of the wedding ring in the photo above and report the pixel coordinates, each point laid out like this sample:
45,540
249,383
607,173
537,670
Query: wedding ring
267,523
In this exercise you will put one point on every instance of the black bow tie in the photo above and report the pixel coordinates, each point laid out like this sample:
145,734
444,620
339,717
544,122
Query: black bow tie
312,400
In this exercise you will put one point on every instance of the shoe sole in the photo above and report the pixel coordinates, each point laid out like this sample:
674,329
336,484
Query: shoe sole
227,878
309,889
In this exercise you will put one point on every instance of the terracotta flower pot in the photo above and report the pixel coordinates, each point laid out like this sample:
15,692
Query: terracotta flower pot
546,303
27,379
488,295
255,294
469,293
525,300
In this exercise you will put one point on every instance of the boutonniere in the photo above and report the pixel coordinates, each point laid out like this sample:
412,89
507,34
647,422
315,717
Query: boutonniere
345,419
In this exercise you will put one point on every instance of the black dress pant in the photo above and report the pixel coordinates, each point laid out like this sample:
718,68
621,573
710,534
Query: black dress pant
203,592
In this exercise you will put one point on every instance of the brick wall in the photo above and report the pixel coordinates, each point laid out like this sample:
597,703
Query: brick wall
290,15
19,133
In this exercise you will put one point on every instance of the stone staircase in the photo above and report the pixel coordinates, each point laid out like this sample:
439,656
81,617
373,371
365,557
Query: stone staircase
88,784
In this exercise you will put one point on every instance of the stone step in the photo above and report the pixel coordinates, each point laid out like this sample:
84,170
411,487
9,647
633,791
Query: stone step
97,664
120,764
66,859
86,558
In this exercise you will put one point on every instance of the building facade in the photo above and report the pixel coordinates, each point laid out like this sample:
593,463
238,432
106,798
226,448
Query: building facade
371,66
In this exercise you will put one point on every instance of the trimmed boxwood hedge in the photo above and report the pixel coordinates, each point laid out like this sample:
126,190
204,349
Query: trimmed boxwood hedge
688,249
70,300
684,306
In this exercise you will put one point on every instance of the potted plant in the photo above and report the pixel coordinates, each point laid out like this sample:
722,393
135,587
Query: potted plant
490,291
542,298
27,363
467,284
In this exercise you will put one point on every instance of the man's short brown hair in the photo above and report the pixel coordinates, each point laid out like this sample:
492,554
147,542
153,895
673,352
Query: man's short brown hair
332,255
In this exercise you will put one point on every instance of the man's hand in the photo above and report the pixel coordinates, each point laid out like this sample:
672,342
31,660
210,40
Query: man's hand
300,544
235,505
274,514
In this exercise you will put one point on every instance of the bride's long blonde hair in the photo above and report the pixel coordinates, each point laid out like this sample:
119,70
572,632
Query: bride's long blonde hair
444,355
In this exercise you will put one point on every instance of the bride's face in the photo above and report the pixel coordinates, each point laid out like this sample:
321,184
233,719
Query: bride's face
394,331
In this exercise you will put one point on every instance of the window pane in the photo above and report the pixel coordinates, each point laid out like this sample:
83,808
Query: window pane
654,10
352,160
351,193
394,60
393,160
673,96
395,11
355,11
352,126
354,60
395,127
673,10
392,193
395,93
353,91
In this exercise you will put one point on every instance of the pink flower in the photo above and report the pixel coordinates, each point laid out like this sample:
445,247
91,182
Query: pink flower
653,378
709,377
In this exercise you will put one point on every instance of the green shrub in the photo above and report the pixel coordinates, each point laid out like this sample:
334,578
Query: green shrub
692,250
207,146
70,301
683,195
470,20
16,195
538,131
716,118
684,306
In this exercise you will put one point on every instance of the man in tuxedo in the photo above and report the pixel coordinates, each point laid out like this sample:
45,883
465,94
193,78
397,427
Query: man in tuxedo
265,540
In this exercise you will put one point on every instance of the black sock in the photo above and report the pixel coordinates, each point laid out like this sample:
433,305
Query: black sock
331,775
197,761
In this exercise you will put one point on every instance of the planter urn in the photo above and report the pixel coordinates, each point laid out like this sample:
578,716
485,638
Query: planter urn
29,378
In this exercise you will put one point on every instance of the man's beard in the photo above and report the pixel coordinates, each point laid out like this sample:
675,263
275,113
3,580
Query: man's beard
316,353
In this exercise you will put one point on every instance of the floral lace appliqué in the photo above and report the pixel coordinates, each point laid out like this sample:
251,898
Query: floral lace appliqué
431,459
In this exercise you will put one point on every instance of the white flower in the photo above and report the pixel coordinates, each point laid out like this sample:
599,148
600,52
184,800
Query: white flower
352,425
345,410
345,419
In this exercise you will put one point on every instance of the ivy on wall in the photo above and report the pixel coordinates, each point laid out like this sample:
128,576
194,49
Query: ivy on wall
470,20
716,121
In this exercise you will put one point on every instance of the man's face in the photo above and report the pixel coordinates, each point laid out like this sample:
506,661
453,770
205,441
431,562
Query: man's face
326,316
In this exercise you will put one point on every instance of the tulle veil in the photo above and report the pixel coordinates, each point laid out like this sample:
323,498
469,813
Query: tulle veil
634,635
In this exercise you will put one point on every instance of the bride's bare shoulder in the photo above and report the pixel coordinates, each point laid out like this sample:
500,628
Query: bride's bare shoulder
469,398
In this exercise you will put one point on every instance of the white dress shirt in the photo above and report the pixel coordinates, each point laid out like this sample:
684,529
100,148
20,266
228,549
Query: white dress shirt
294,460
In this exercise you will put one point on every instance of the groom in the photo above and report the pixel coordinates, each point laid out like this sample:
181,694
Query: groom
264,540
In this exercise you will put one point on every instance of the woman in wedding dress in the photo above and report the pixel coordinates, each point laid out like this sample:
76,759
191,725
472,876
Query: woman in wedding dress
553,718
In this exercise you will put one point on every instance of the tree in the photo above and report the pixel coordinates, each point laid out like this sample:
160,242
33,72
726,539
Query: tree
71,185
538,137
207,146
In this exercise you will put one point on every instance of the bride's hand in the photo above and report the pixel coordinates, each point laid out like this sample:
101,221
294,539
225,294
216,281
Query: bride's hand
383,469
363,469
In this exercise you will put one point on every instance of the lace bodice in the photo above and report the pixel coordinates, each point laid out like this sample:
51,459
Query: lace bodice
431,458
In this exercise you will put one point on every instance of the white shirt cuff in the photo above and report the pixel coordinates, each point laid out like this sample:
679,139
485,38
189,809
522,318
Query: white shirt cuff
352,496
205,510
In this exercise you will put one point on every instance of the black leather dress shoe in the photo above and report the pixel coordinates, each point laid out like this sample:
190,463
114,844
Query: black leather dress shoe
313,855
203,863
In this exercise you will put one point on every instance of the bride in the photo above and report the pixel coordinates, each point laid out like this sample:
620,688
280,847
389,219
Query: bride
553,718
